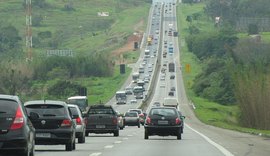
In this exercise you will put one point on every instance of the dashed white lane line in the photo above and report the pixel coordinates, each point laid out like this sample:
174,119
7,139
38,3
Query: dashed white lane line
218,146
108,146
125,138
118,142
95,154
130,135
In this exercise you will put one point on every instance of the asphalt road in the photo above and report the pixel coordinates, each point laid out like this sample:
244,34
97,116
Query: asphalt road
197,139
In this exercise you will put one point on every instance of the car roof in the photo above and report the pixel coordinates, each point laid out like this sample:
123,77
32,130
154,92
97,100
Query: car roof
133,112
42,102
9,97
73,105
164,108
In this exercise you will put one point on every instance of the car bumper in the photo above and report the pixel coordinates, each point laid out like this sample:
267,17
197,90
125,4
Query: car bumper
56,137
107,129
163,130
18,143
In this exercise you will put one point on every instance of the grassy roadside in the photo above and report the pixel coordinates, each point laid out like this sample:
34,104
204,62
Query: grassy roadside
208,112
74,30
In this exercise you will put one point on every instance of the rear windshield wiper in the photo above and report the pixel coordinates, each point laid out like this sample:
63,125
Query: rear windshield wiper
49,115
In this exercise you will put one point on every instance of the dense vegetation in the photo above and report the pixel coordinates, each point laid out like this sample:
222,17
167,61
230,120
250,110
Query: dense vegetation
235,70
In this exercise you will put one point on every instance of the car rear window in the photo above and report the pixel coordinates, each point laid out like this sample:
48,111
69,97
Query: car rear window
138,111
73,110
101,111
163,112
130,114
8,106
47,110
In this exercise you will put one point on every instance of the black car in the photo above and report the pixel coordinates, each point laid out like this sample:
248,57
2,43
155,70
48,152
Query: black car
163,121
17,133
53,123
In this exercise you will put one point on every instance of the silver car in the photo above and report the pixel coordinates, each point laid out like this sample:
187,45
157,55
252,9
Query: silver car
80,122
132,119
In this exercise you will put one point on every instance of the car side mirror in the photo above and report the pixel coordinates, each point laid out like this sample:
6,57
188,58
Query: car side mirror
33,115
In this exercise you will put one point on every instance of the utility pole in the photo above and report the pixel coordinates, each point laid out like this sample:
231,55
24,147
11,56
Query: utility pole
28,37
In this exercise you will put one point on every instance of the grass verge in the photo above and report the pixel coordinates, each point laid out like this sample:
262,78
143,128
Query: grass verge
208,112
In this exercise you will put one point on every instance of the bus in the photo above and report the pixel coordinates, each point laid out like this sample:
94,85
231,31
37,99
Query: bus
121,97
80,101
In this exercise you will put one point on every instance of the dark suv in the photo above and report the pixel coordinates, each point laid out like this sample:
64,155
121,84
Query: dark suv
163,121
102,119
53,123
17,133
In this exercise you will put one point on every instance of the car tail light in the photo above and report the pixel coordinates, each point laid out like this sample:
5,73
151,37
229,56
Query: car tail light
78,121
114,120
148,120
66,123
18,121
177,121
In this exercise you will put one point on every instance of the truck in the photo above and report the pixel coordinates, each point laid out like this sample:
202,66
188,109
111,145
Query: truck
149,40
170,102
101,119
171,67
121,97
135,77
80,101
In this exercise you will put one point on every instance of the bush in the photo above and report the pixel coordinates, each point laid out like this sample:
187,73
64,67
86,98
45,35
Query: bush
63,88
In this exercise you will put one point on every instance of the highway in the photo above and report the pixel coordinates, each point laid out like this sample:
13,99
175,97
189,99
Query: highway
197,139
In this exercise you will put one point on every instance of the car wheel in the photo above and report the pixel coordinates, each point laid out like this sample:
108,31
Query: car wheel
86,133
26,152
146,135
179,135
121,128
74,145
81,139
32,153
139,125
69,146
116,133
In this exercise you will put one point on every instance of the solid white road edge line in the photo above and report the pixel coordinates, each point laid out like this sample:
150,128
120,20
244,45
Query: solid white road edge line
219,147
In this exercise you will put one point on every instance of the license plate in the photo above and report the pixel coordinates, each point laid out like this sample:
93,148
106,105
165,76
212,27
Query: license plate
162,122
43,135
100,126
